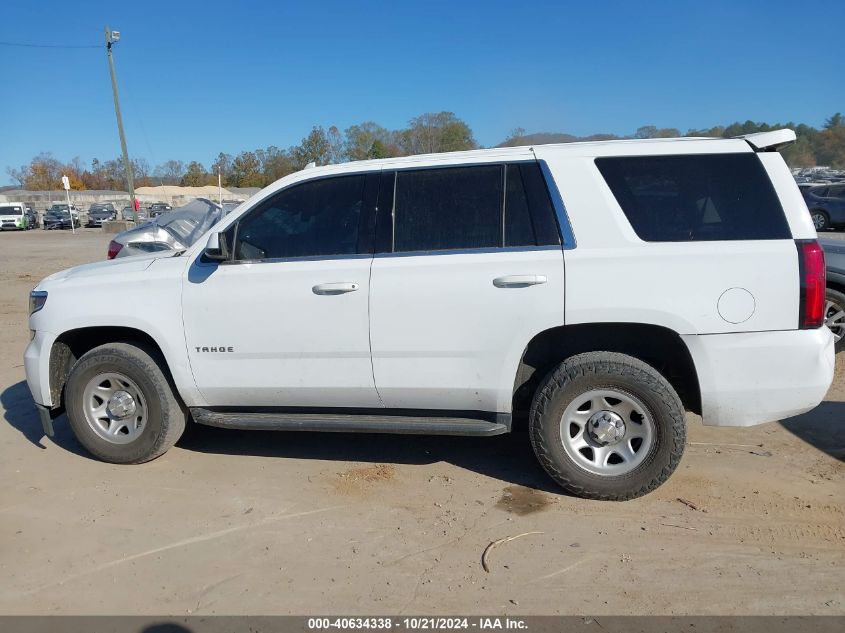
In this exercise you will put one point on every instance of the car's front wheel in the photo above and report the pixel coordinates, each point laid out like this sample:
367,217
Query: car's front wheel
121,406
607,426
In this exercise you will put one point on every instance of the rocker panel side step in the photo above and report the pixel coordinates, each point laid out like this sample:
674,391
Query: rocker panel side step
352,422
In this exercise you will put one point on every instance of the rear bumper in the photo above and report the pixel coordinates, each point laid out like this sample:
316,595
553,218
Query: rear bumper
751,378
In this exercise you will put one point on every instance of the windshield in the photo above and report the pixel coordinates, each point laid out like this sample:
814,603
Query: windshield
188,225
11,211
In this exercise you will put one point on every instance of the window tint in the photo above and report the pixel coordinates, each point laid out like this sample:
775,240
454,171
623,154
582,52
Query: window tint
519,230
696,198
449,208
11,211
542,212
319,217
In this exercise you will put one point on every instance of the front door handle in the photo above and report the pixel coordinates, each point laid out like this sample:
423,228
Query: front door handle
337,288
519,281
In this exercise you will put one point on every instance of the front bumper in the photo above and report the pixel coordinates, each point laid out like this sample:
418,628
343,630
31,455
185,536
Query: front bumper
36,361
755,377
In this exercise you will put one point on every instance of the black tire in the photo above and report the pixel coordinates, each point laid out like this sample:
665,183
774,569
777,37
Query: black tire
607,370
838,300
820,220
165,416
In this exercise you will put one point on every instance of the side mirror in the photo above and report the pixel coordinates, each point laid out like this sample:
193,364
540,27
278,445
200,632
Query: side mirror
217,247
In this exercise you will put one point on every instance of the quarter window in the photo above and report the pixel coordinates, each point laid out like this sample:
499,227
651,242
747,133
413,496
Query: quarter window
696,197
315,218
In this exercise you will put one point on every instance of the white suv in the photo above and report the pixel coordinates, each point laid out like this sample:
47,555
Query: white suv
596,290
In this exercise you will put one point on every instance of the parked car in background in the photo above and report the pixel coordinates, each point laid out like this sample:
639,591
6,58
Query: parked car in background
827,206
63,206
157,208
834,309
99,213
59,219
31,218
127,214
13,216
176,230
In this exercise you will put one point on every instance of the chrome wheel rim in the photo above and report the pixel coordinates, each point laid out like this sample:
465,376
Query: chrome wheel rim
834,318
115,407
607,431
818,221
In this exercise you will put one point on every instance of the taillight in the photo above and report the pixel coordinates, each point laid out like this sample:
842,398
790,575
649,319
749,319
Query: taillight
114,249
813,278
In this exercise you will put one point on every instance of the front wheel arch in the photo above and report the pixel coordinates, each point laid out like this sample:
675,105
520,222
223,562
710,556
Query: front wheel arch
72,345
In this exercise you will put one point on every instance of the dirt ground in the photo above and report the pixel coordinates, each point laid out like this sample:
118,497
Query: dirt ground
232,522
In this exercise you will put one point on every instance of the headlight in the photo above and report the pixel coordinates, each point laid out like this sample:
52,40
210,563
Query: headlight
37,299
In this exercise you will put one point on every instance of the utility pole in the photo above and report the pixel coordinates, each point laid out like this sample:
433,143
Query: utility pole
111,38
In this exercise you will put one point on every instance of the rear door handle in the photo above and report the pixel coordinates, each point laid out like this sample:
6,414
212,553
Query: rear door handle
337,288
519,281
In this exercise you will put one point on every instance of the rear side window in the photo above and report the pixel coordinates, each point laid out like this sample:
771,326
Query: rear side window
483,206
696,197
449,208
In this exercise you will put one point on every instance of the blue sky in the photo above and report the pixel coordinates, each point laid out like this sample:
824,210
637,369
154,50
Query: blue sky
197,78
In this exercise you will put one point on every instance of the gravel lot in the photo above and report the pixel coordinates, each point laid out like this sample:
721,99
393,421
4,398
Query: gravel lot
233,522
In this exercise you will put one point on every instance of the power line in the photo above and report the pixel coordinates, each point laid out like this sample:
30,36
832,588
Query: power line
23,45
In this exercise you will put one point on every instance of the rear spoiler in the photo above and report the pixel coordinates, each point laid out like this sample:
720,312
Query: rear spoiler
769,141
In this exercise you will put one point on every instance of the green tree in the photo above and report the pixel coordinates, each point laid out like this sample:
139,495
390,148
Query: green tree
222,165
831,142
246,171
646,131
195,175
314,148
361,141
435,132
277,163
836,120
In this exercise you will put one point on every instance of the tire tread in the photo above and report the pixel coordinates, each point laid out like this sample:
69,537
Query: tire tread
606,363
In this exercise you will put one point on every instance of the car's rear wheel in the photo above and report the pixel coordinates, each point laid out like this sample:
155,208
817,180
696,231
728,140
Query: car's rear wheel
607,426
834,316
121,406
820,220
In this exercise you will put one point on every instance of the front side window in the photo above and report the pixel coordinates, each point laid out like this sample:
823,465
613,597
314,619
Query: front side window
705,197
315,218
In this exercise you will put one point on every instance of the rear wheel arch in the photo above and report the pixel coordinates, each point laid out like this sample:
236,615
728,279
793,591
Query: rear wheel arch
661,348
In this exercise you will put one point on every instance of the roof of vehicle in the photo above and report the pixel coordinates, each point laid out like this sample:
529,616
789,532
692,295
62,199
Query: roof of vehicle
763,141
